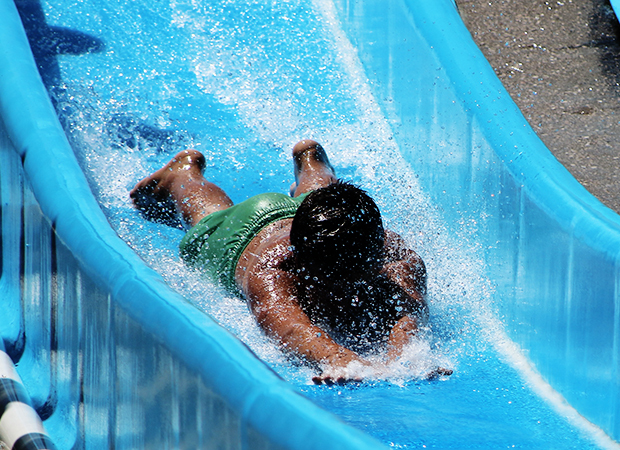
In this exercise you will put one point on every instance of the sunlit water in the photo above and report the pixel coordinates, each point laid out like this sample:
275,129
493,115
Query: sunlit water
242,82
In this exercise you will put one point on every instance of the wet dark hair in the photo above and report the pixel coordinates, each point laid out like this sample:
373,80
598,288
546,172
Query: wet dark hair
338,229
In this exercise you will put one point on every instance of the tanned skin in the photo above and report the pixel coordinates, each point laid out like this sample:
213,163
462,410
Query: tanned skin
279,289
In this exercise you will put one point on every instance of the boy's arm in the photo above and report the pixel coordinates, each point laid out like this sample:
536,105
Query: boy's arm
406,269
272,296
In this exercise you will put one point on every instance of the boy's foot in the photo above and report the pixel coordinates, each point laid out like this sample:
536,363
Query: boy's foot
312,167
154,195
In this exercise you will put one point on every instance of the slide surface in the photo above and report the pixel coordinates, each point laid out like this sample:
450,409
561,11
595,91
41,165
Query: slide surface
521,259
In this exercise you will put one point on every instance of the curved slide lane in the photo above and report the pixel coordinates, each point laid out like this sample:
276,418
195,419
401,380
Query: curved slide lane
119,344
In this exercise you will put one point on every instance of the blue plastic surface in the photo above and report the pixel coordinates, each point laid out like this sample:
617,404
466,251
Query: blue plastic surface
534,248
550,248
100,359
616,6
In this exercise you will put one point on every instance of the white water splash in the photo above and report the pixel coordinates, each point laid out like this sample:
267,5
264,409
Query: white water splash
265,75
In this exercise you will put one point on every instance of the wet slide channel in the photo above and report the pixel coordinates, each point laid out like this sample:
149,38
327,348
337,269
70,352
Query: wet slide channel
521,260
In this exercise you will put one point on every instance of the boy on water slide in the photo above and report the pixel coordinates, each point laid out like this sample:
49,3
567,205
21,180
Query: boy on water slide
319,272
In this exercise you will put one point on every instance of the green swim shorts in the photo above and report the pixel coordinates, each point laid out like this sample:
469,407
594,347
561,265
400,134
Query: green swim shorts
216,243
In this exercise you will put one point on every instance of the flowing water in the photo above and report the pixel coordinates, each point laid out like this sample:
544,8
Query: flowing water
242,81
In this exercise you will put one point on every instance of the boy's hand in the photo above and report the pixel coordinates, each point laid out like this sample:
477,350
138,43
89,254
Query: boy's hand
342,368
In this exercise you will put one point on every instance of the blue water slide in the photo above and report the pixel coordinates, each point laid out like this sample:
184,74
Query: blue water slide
111,356
522,259
616,7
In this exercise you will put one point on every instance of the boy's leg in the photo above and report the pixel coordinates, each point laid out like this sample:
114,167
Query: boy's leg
179,187
312,168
